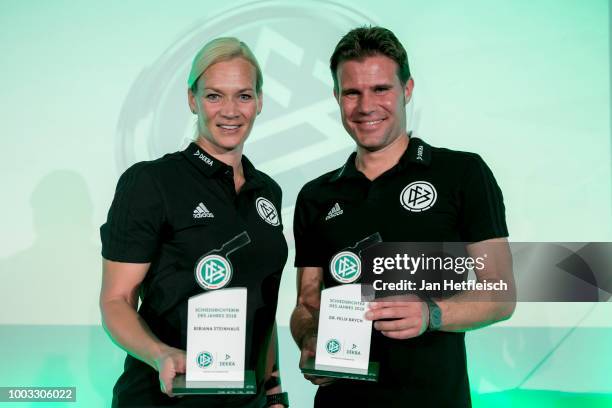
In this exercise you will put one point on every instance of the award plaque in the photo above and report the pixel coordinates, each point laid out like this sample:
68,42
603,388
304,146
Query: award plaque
343,339
216,329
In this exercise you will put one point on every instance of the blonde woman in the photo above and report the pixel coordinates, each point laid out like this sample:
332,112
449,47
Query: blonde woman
168,212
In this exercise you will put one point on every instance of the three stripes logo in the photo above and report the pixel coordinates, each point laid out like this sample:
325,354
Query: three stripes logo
202,212
345,267
418,196
213,272
334,212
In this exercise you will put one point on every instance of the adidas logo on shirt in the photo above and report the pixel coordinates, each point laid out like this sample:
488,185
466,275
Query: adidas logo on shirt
334,212
202,212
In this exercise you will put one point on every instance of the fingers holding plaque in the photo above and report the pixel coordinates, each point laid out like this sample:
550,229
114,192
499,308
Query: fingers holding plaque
344,334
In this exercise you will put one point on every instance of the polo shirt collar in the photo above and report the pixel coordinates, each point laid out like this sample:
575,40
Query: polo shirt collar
252,177
204,161
348,170
418,153
212,167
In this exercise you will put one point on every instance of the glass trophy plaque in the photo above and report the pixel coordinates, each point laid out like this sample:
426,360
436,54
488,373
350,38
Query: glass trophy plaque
343,339
344,335
216,329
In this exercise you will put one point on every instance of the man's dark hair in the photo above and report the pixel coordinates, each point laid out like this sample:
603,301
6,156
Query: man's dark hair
363,42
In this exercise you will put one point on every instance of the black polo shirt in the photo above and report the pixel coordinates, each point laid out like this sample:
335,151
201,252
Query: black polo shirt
170,212
430,195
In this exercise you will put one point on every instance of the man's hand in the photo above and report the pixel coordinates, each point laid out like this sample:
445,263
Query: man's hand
170,362
410,317
308,349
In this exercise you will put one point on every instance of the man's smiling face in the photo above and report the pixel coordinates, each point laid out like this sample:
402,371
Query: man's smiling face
372,101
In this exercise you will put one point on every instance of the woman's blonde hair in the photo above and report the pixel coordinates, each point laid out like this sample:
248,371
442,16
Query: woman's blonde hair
222,49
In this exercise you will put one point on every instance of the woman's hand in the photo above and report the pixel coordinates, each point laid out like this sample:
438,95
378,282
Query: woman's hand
170,362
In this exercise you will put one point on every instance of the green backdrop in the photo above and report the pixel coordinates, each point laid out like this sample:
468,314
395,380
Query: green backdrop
88,88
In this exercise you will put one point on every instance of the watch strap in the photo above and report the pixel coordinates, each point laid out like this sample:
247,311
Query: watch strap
435,315
280,398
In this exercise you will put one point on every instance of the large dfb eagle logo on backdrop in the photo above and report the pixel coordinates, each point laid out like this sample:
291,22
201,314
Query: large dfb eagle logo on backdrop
298,135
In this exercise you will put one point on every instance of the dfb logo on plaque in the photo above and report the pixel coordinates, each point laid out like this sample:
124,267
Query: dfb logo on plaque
204,359
213,272
332,346
345,267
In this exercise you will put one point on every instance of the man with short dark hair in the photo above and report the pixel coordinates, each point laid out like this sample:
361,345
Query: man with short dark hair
419,344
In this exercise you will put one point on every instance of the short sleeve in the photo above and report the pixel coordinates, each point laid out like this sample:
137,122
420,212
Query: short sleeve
132,230
277,198
306,252
482,207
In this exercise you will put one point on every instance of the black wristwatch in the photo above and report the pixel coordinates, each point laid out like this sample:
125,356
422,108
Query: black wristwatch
435,315
280,398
